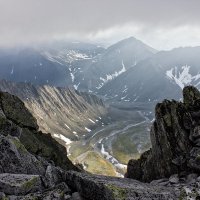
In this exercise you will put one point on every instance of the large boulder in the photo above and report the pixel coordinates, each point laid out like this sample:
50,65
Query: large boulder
14,158
20,184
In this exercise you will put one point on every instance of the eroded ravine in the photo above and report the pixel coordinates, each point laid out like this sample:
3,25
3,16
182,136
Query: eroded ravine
114,143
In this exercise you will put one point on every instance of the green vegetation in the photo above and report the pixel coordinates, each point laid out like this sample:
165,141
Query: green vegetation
77,148
19,145
119,193
96,164
5,198
125,145
92,160
30,184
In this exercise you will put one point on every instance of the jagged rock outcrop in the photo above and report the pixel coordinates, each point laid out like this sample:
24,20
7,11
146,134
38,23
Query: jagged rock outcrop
175,137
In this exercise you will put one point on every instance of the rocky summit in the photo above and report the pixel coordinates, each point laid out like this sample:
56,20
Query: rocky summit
34,166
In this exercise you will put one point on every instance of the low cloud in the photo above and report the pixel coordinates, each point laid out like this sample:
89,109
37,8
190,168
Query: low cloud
155,21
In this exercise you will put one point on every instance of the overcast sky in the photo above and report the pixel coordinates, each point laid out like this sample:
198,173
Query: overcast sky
163,24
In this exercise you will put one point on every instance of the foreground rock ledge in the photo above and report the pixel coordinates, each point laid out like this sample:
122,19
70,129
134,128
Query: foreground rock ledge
94,187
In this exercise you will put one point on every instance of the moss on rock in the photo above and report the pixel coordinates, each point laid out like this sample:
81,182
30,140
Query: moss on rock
118,193
30,184
19,145
15,110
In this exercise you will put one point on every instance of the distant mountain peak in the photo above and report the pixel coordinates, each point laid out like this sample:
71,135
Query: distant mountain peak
134,43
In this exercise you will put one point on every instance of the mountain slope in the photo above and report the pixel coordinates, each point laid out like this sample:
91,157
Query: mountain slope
162,76
46,64
112,62
63,111
29,65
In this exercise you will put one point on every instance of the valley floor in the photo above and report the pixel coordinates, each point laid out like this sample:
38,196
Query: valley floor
122,136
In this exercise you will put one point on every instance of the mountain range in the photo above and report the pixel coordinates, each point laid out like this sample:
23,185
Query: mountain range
126,71
162,76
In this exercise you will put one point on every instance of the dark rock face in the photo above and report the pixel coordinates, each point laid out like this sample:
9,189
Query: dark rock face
15,111
16,159
175,140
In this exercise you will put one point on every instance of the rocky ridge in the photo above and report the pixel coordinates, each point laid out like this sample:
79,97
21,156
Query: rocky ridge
175,135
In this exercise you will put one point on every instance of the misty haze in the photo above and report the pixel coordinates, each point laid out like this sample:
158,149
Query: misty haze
99,100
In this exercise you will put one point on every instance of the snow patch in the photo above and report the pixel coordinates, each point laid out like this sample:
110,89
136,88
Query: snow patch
63,138
66,56
110,77
87,129
124,97
110,158
72,76
12,71
67,126
68,150
76,86
183,77
91,120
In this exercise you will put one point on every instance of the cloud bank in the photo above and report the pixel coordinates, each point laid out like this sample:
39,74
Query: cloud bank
160,23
